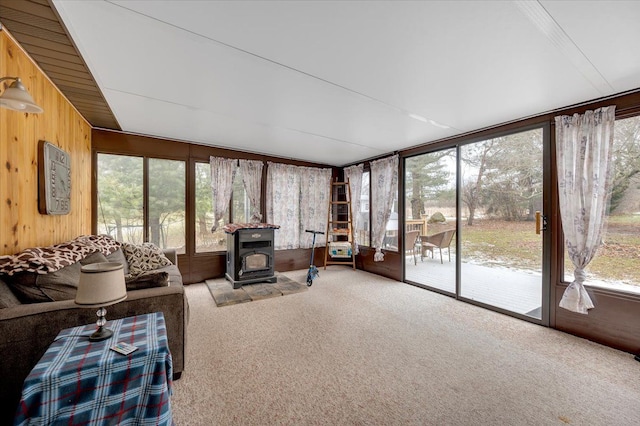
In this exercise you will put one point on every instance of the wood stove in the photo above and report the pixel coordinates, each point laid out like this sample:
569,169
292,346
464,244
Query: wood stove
250,253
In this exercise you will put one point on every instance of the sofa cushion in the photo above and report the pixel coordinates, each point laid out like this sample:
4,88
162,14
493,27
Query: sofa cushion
7,298
59,285
63,284
24,286
148,279
144,257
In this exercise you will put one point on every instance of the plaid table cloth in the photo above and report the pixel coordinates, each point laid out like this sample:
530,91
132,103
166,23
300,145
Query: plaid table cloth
78,382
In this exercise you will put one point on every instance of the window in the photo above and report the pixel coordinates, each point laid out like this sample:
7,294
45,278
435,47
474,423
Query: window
121,182
617,262
120,197
364,227
239,211
166,218
391,232
241,208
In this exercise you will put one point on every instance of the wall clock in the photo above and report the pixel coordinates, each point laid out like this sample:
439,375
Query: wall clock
54,179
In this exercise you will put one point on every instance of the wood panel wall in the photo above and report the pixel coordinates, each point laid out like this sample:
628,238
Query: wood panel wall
21,225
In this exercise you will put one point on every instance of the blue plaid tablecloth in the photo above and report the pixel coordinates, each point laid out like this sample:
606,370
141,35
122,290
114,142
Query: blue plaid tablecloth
78,382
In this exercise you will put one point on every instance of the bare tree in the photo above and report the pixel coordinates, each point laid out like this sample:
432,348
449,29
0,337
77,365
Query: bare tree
475,156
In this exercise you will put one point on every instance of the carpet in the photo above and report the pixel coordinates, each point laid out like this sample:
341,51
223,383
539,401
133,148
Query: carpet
224,294
361,349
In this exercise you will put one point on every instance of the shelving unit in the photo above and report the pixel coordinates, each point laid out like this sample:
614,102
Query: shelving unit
340,249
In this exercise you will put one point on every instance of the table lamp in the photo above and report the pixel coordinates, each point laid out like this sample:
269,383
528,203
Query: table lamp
101,284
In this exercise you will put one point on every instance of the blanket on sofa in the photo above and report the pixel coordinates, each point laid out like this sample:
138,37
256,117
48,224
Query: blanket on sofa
45,274
44,260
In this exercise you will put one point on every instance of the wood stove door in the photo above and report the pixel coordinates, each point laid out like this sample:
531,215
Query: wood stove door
255,262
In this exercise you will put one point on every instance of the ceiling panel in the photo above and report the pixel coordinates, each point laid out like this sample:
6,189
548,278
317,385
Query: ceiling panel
607,32
238,134
440,60
338,82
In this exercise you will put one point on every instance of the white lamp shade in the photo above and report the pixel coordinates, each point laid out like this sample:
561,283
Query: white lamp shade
101,284
17,98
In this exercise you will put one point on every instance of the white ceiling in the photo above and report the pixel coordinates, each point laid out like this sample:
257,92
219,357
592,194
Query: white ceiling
337,82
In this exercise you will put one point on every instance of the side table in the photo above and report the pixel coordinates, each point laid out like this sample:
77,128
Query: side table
81,382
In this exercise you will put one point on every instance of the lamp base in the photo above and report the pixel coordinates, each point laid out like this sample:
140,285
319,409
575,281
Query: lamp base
100,334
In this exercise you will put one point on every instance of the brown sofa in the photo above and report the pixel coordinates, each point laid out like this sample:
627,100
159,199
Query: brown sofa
27,329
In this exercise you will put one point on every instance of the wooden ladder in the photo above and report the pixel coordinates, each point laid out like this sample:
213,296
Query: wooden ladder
340,236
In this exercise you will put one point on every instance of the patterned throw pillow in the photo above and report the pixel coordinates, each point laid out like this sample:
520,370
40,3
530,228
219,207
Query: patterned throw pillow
144,257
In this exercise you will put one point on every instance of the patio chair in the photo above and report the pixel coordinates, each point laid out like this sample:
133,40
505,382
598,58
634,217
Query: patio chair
441,240
410,244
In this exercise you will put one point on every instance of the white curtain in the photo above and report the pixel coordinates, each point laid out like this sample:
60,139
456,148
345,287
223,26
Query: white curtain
223,170
252,180
583,151
384,187
283,204
297,199
354,175
315,187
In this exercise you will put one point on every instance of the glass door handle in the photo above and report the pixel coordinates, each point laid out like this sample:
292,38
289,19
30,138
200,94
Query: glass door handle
541,222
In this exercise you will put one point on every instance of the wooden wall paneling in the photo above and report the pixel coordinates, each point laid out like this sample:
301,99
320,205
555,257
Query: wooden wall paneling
615,321
390,268
35,24
205,266
22,226
113,142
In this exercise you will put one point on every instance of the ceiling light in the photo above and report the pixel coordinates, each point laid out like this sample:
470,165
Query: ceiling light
17,98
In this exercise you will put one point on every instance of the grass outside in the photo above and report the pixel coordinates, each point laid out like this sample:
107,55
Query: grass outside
516,245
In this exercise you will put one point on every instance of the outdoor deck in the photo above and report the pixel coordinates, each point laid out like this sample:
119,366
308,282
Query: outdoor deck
514,290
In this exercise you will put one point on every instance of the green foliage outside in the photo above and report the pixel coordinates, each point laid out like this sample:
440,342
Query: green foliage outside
121,200
502,189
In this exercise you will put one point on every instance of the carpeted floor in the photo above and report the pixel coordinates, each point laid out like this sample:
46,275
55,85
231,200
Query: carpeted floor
224,294
359,349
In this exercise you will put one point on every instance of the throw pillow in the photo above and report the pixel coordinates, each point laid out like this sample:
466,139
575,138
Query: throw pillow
147,279
144,257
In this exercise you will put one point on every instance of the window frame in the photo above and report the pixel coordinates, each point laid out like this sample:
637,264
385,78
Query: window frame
145,191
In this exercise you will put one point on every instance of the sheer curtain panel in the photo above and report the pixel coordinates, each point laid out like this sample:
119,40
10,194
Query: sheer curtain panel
252,180
314,203
297,199
283,204
583,151
223,170
384,187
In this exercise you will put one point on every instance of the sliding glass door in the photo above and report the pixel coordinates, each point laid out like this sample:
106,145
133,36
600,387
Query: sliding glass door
430,219
501,254
479,212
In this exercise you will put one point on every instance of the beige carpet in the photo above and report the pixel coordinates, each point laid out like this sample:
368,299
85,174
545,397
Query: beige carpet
359,349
